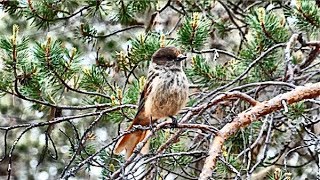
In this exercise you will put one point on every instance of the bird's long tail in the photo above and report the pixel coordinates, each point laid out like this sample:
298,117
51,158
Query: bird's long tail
129,141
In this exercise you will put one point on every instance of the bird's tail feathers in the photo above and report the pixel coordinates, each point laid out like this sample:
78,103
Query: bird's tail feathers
129,141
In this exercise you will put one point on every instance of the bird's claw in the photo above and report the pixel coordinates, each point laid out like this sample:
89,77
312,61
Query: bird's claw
174,123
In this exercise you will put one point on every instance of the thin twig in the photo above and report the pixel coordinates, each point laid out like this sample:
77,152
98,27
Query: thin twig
247,117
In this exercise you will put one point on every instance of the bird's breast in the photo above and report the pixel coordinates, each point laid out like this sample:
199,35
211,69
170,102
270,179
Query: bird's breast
168,95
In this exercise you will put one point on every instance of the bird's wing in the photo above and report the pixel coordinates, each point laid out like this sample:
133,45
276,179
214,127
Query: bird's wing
145,93
143,97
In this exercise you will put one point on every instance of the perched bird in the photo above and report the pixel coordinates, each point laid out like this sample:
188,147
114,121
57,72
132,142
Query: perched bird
164,94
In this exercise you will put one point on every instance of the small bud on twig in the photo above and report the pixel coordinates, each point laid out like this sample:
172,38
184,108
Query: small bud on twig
261,15
162,40
15,31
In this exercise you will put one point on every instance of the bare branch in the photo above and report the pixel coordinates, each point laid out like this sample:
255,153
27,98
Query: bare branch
252,114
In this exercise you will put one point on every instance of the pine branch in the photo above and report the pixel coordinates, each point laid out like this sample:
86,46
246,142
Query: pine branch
253,114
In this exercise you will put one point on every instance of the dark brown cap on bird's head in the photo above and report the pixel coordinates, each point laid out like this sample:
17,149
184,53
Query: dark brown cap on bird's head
168,54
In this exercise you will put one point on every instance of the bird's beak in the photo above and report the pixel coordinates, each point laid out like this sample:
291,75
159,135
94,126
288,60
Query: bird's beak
181,57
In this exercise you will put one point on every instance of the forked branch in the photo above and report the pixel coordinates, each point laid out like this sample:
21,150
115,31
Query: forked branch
252,114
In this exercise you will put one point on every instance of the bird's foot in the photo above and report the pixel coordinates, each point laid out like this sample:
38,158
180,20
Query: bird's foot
174,123
151,125
151,128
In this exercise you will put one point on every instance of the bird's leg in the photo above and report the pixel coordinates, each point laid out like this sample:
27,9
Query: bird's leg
150,125
174,123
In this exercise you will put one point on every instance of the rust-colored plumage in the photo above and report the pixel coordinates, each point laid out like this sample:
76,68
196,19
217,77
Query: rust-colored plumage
129,141
164,94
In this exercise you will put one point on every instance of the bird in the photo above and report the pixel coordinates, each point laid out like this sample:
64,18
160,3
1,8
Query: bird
164,94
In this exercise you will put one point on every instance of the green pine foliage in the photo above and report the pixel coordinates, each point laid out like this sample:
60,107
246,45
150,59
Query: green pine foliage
124,14
202,72
143,48
111,165
97,61
296,110
93,79
307,16
221,26
170,162
267,29
131,96
193,33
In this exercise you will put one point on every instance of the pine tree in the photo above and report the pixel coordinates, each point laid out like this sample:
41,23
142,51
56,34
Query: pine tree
71,73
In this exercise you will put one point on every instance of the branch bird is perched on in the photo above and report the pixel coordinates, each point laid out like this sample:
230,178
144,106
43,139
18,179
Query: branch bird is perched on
164,94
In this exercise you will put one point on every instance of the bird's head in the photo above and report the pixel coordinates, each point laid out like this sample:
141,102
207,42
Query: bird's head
168,56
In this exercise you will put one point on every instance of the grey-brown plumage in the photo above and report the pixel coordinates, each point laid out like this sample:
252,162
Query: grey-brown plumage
164,94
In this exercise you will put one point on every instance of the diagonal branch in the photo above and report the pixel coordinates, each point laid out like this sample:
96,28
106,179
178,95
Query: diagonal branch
252,114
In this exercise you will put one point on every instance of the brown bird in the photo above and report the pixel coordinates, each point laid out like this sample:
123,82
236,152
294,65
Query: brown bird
164,94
